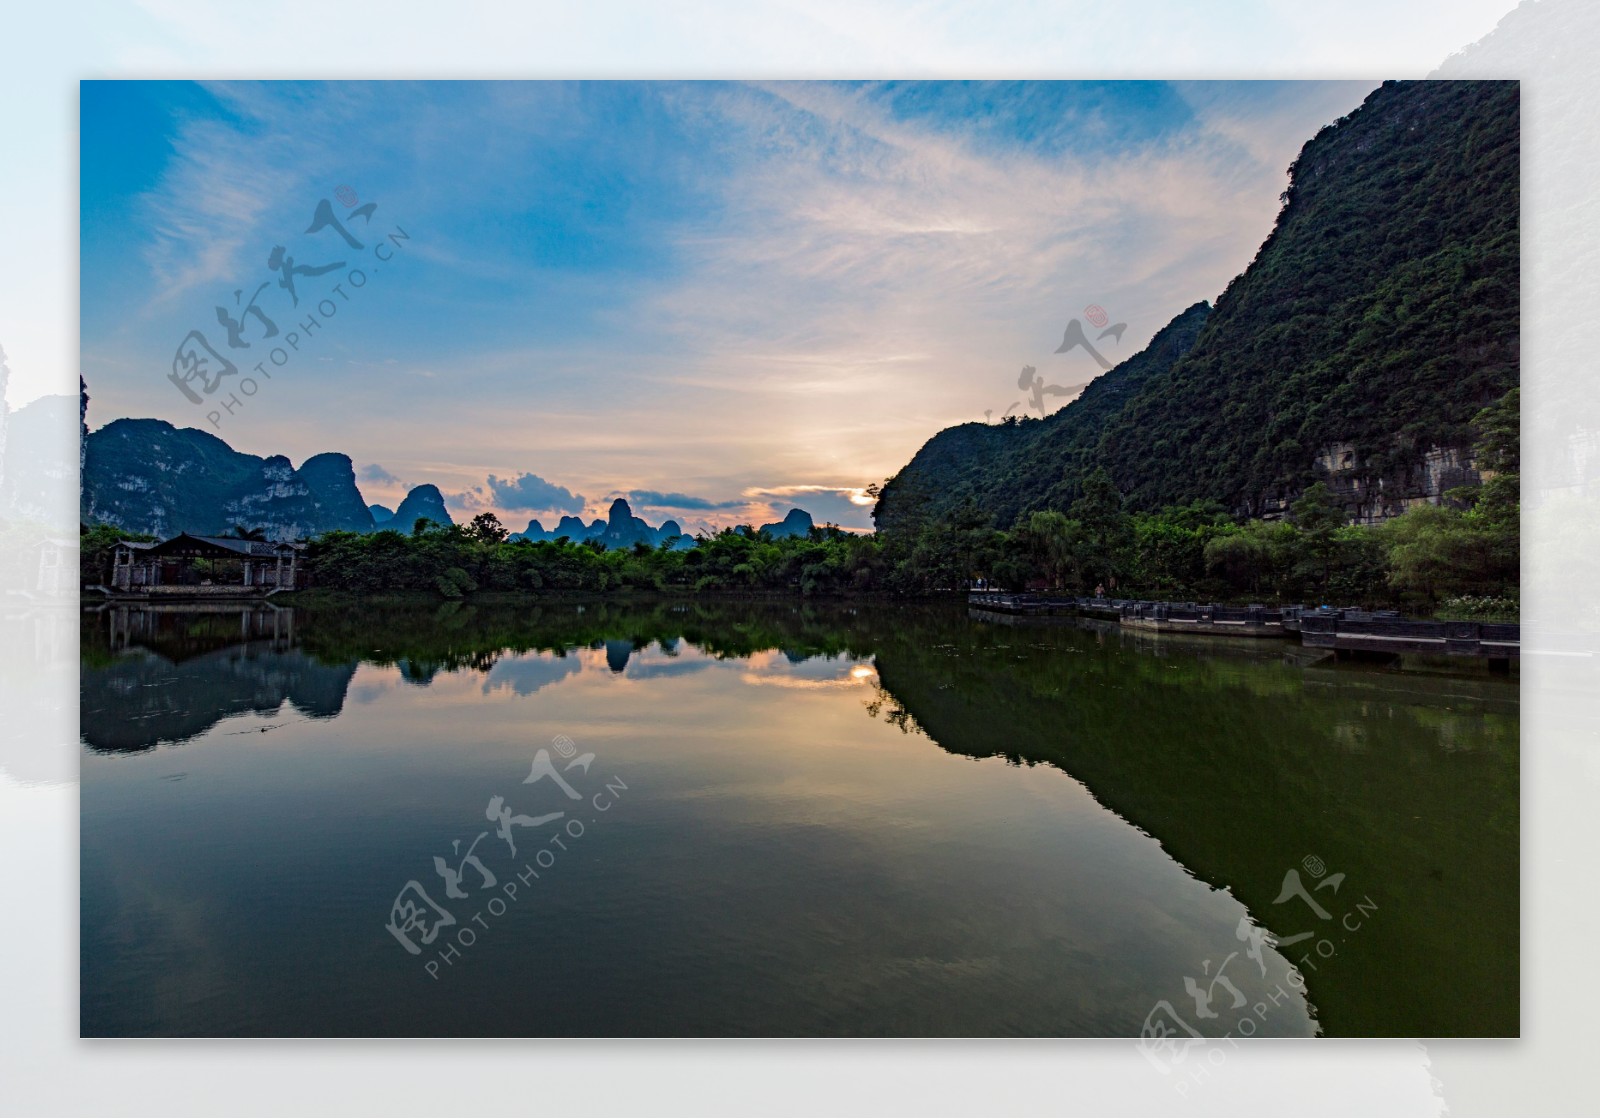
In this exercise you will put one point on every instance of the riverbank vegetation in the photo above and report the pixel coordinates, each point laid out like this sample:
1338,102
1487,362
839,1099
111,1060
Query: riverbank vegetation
1460,557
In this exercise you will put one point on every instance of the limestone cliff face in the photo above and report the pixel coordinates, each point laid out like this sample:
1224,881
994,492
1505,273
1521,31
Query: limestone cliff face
332,478
148,476
1372,494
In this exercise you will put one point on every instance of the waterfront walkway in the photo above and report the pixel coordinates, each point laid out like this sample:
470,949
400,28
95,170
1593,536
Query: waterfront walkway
1343,631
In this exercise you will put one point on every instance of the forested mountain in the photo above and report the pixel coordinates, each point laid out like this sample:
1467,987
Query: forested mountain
146,476
1378,318
1009,468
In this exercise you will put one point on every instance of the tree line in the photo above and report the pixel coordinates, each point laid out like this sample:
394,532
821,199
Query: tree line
1461,555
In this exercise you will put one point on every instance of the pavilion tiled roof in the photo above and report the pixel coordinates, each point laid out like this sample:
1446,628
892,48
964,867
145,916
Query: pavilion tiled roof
252,549
243,547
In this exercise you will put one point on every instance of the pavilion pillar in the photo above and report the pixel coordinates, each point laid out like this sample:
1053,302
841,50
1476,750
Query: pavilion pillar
247,573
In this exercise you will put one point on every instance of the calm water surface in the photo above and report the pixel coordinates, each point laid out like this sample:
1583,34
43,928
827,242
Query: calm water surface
871,820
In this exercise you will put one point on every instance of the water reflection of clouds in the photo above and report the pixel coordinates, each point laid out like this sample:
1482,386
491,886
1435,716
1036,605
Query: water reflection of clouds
677,657
526,673
782,669
369,691
677,666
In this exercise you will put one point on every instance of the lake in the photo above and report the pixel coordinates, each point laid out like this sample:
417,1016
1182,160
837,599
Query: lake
738,818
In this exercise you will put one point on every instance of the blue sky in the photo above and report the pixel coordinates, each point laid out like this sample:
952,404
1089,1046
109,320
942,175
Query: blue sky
718,299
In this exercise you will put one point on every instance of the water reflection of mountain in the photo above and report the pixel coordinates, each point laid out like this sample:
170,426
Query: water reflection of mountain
1239,762
143,699
1242,765
431,637
153,676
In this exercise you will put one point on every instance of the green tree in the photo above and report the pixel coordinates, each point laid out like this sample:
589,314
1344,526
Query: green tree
1056,544
1252,558
1106,528
1319,518
487,529
1499,445
1430,551
96,547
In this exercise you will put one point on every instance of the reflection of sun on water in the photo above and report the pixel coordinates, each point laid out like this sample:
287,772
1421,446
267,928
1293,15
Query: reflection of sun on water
771,675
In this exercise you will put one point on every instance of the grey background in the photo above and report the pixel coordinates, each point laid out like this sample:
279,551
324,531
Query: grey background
44,1069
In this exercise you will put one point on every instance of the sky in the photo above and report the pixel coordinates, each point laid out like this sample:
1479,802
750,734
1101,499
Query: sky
719,300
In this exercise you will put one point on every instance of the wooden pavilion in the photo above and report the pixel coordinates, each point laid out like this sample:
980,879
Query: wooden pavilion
205,567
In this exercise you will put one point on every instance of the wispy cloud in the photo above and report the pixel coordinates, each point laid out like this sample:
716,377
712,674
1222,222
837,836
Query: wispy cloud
867,273
687,290
208,210
471,500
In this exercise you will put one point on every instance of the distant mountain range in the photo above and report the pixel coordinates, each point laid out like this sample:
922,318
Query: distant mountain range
621,529
149,476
